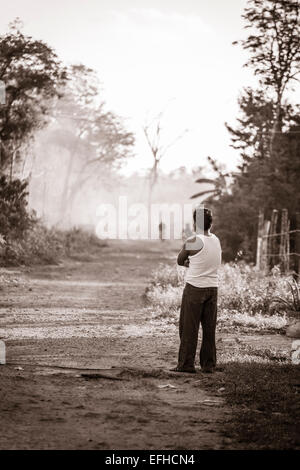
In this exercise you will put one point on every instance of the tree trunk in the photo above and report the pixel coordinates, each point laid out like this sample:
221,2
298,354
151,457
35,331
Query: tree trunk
277,126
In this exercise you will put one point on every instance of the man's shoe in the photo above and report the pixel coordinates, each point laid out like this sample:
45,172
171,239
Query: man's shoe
189,371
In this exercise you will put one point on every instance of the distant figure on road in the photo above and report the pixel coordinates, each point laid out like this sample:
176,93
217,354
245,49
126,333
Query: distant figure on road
161,231
201,254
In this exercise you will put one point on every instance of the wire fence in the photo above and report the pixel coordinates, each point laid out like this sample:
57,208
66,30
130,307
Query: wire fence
277,244
279,234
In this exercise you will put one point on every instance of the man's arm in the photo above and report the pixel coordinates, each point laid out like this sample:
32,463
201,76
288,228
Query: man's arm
192,246
182,258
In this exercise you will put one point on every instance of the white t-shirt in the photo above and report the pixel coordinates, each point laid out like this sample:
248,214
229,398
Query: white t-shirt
203,268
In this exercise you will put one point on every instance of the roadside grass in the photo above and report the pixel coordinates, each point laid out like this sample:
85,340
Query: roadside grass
264,399
267,397
228,320
246,353
247,298
8,279
261,387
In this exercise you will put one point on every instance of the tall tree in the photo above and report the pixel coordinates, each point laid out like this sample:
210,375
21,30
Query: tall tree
267,134
32,75
91,140
251,136
154,138
261,182
274,47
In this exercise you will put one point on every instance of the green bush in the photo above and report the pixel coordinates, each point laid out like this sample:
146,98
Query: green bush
41,245
24,240
247,290
247,297
44,245
79,242
14,217
167,275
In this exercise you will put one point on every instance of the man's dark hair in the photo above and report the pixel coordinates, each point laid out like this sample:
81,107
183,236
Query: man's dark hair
202,218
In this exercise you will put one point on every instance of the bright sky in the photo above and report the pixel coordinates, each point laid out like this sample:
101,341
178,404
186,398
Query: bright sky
153,55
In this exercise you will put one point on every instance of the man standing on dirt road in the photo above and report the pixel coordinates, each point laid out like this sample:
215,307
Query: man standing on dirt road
201,254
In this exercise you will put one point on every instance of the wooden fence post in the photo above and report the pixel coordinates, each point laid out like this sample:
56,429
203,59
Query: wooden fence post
283,240
265,246
298,244
288,246
272,241
259,238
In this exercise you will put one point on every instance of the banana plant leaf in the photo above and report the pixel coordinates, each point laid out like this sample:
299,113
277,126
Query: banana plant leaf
205,180
202,193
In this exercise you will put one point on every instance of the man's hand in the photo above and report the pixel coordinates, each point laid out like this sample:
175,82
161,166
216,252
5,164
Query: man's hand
182,257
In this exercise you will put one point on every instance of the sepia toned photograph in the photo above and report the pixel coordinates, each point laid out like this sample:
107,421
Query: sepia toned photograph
150,228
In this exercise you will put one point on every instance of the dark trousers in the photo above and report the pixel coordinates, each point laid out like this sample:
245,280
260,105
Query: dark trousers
199,304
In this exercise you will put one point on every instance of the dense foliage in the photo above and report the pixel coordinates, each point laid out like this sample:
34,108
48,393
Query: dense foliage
14,218
262,182
247,297
267,134
32,75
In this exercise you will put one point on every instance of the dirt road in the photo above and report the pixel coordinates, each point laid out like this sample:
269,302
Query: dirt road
60,322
